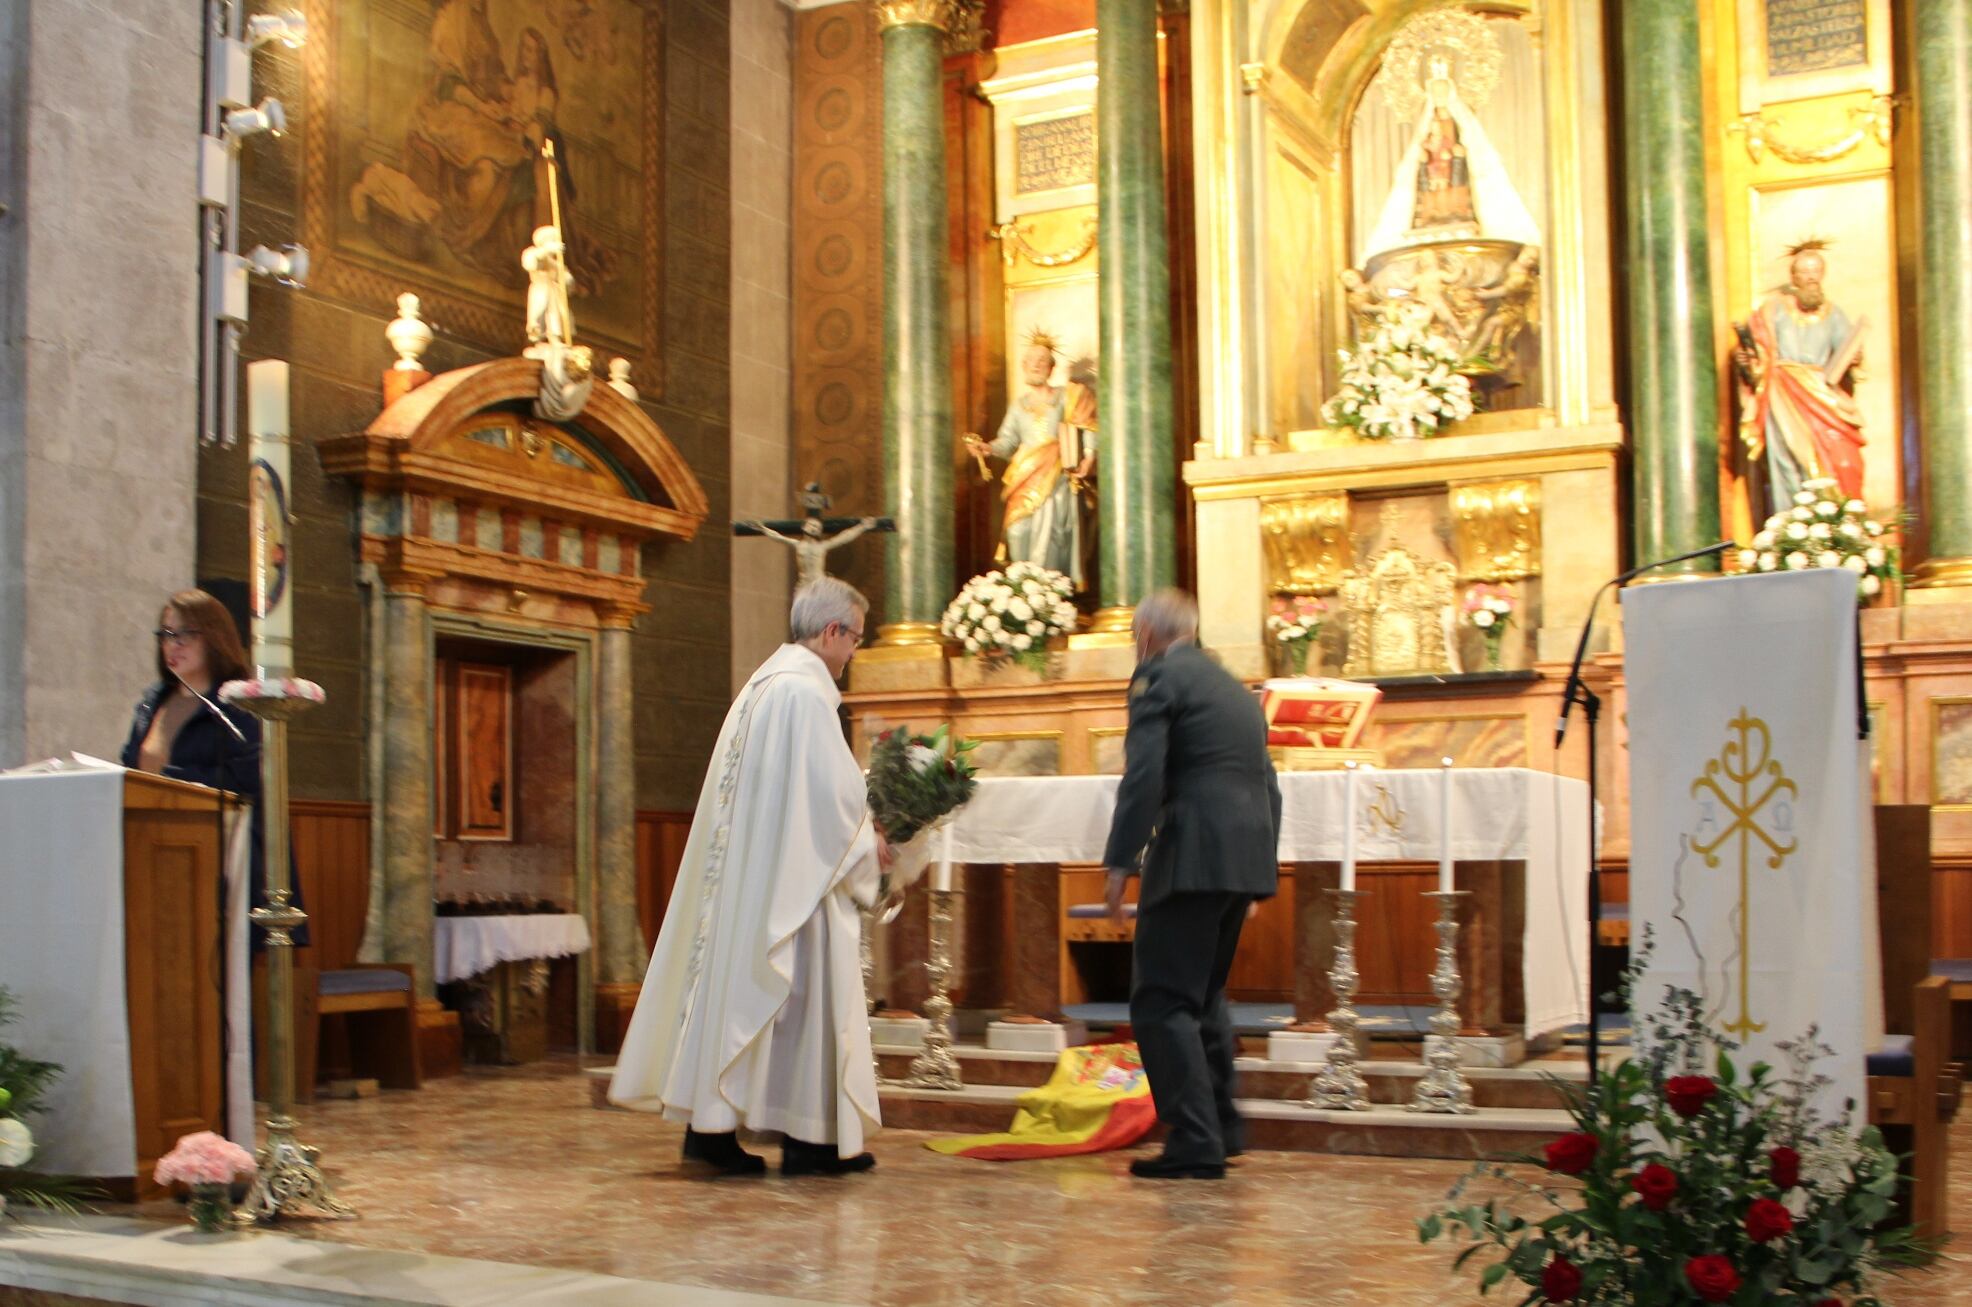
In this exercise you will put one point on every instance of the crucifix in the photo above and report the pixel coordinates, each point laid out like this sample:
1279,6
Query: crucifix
812,536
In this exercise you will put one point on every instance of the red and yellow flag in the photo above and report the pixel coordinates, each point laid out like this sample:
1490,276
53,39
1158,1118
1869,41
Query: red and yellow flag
1097,1099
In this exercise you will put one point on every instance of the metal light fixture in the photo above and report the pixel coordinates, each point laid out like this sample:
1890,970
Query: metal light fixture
287,265
290,28
268,116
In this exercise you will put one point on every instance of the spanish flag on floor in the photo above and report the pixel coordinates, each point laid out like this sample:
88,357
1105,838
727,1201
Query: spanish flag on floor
1097,1099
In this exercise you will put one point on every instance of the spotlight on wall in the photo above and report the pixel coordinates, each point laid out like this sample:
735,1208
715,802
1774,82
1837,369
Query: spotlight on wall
287,265
268,116
289,28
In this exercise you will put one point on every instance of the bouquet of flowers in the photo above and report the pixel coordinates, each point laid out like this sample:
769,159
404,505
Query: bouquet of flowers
1294,625
1694,1184
1489,609
916,782
1402,382
207,1164
1823,530
1011,614
23,1084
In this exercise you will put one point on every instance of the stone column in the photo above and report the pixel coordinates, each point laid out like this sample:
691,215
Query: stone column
619,939
1136,482
1944,285
404,807
917,361
1674,384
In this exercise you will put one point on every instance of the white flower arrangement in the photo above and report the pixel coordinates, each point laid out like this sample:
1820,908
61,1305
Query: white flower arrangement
1402,382
1294,625
1010,614
1824,530
1489,611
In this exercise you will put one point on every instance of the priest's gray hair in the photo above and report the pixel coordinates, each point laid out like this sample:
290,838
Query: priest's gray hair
1167,616
827,601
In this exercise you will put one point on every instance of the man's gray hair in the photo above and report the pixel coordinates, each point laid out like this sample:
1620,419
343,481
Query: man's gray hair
827,601
1166,616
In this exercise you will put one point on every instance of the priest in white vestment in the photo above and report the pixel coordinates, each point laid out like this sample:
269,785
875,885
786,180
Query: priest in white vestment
752,1015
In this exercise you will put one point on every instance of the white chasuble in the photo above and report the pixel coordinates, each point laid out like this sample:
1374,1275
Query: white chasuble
752,1014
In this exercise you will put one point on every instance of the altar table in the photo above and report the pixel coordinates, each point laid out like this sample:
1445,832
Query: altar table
1530,824
462,947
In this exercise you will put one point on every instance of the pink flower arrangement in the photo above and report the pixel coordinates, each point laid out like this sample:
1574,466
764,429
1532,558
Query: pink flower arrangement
1488,606
287,687
204,1158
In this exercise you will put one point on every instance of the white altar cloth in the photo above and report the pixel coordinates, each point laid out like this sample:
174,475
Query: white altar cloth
465,946
1499,814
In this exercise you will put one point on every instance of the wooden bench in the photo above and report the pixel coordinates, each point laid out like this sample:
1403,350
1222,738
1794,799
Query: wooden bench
1914,1089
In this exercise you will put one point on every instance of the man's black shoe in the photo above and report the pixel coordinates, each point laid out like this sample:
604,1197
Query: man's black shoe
1165,1168
798,1157
722,1153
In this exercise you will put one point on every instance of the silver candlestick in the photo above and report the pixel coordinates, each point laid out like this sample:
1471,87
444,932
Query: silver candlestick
1443,1086
935,1067
1339,1085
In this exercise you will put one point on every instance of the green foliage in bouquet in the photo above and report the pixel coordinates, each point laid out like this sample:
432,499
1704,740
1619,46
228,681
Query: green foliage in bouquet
916,779
24,1085
1693,1183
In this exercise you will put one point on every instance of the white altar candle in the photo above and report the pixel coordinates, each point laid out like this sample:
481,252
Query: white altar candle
267,509
1349,827
1445,828
941,870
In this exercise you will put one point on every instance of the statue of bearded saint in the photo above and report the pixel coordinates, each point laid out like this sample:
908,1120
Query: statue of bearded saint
1796,365
1048,442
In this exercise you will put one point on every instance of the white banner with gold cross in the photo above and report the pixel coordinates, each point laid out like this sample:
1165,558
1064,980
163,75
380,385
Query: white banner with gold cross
1752,859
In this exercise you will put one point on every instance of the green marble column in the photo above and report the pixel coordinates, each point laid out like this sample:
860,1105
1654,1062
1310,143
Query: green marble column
1674,378
405,805
917,362
1136,481
620,955
1944,285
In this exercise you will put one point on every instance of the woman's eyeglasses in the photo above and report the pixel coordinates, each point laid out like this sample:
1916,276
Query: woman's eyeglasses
166,635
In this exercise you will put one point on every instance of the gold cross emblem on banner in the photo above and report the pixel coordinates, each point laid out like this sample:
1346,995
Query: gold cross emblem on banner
1744,764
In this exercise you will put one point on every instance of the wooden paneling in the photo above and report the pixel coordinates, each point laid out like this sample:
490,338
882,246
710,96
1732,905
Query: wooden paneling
331,841
1263,969
1951,908
1394,939
660,849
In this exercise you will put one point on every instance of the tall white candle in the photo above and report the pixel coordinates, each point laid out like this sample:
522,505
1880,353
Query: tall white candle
1349,827
267,511
941,871
1445,828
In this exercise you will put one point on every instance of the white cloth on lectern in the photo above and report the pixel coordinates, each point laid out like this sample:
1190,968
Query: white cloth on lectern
752,1014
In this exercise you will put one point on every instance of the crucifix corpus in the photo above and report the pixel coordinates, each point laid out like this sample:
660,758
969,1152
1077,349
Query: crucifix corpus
813,535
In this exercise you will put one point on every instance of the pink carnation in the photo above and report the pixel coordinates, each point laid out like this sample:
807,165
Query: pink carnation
203,1158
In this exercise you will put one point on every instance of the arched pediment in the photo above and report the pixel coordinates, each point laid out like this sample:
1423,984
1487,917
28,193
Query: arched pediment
611,464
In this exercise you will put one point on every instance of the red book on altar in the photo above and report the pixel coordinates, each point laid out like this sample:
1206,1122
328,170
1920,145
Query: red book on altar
1315,722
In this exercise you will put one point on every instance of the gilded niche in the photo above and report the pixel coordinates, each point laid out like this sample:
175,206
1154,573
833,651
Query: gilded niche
1497,529
1400,615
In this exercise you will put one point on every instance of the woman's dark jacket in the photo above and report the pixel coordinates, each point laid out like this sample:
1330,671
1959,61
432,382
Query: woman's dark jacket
206,753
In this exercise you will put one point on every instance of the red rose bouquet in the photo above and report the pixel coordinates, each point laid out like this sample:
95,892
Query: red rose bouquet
1692,1182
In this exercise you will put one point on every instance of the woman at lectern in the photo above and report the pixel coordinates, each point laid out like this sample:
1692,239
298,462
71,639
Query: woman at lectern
181,730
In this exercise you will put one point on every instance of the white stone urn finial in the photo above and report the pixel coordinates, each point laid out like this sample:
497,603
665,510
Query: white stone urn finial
619,379
408,334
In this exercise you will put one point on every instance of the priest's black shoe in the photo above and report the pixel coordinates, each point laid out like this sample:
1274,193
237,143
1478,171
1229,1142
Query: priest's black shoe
722,1153
798,1157
1165,1168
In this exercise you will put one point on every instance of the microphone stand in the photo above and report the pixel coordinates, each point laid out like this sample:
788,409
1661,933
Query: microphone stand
224,720
1577,691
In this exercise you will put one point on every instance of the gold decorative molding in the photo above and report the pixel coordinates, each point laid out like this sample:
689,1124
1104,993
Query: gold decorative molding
1253,77
1307,542
1877,120
1398,608
914,13
1014,244
1496,527
967,32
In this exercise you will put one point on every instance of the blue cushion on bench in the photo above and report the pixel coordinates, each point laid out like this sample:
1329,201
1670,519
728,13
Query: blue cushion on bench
1086,911
380,980
1615,912
1898,1058
1956,970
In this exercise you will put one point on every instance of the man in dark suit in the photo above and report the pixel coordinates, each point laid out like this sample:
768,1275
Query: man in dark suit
1200,806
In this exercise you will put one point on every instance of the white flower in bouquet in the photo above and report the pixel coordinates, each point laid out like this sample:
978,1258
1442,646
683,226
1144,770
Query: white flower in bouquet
1023,642
16,1142
1828,558
972,645
1856,563
1827,508
1036,628
1803,515
1769,561
1872,585
975,610
922,757
1804,497
1875,556
1797,562
1855,506
1748,559
992,622
1483,618
1872,528
1850,530
1020,609
1764,540
1797,531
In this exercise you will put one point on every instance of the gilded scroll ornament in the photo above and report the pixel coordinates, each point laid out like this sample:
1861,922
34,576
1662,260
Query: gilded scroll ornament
1458,37
966,33
1399,615
1307,542
1496,527
1014,244
1876,120
907,13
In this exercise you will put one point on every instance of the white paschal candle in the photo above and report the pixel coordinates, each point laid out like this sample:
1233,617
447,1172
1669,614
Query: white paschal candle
1445,828
267,514
941,870
1349,827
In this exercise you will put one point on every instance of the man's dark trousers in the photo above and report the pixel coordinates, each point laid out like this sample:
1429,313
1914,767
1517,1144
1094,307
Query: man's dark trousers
1184,952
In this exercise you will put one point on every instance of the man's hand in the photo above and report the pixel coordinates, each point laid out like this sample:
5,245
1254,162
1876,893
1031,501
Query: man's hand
885,855
1113,894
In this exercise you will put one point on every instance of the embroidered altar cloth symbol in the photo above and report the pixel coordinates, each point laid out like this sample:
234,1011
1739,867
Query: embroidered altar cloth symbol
1753,789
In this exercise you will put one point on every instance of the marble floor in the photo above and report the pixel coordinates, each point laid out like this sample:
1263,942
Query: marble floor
515,1166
